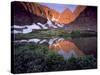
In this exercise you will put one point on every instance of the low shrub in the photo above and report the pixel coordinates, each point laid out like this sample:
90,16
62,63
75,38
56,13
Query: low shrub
37,58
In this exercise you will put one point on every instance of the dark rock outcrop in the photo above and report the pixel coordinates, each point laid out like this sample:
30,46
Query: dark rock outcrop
87,19
20,16
29,12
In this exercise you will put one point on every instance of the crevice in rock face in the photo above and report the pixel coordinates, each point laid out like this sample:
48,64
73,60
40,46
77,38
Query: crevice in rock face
83,16
27,12
22,17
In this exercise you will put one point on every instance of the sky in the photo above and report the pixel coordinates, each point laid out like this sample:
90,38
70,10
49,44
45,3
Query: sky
60,7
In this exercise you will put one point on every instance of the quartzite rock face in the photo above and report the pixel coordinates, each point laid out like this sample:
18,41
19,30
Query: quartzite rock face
27,13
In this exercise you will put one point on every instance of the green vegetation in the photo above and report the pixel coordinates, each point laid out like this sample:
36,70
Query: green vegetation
37,58
54,33
76,33
41,33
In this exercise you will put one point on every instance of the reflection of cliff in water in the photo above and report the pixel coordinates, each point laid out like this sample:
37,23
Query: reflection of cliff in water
67,47
87,44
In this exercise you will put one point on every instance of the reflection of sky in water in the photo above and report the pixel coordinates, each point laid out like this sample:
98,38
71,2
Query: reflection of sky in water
60,7
63,47
66,48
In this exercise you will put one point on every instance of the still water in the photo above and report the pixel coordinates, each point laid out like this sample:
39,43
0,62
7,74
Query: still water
67,47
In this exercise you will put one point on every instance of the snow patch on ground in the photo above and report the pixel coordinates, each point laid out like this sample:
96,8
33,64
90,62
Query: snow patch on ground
29,28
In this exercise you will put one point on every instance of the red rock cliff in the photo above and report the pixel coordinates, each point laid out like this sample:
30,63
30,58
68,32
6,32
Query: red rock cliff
65,17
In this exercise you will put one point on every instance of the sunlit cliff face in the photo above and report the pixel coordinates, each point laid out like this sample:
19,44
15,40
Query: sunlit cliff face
43,10
66,48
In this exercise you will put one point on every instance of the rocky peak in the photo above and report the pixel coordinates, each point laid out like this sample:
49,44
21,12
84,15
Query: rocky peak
30,9
78,10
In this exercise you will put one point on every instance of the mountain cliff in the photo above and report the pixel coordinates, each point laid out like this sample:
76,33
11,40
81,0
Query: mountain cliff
35,12
87,19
